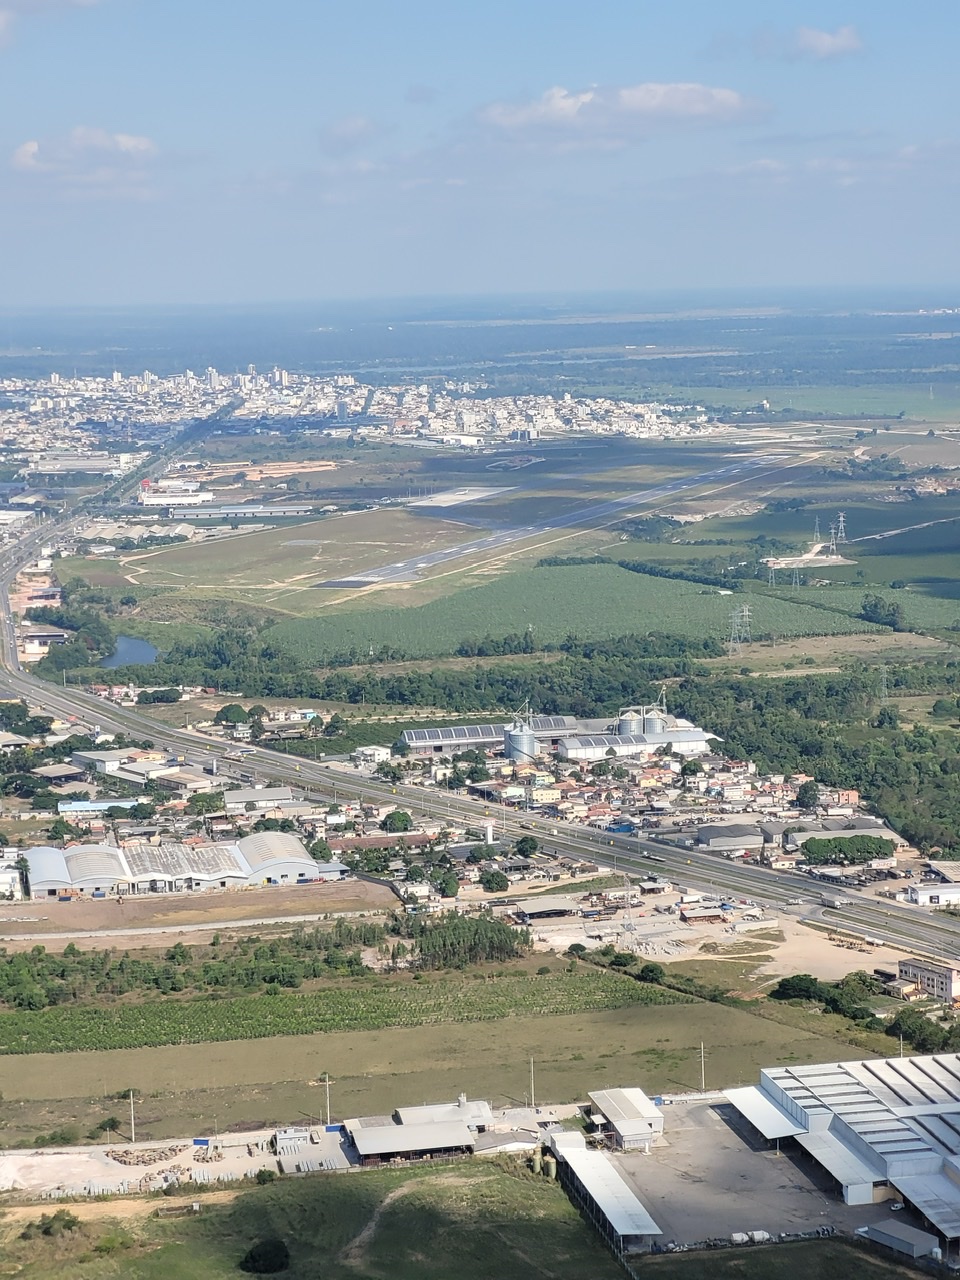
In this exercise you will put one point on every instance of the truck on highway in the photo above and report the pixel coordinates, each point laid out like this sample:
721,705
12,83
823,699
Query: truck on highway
831,900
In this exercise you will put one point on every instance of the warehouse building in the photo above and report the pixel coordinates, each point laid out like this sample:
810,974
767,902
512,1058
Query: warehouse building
883,1129
268,858
547,731
627,1116
595,1185
383,1143
550,906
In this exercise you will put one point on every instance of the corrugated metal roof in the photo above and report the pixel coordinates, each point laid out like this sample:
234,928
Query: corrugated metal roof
762,1113
613,1197
937,1197
393,1139
472,1112
838,1159
626,1108
273,846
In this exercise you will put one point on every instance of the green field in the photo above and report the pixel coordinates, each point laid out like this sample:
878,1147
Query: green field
362,1006
804,1260
472,1221
226,1085
589,601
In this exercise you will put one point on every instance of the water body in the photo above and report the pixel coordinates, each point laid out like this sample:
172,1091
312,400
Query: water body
130,650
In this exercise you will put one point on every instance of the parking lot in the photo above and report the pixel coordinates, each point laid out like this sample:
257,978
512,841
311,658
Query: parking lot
707,1181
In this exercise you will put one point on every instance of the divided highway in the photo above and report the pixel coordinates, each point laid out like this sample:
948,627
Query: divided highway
902,926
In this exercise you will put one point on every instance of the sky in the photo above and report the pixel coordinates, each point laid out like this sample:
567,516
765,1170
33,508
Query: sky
249,151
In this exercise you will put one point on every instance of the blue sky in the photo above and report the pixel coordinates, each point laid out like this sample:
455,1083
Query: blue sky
168,151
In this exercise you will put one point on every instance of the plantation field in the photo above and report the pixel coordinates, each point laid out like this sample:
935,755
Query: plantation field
472,1220
187,1088
922,611
590,601
360,1007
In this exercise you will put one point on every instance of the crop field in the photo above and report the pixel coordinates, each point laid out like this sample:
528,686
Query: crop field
912,399
922,611
199,1087
590,601
361,1007
474,1220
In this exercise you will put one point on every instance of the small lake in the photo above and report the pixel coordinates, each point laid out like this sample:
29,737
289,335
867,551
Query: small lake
130,650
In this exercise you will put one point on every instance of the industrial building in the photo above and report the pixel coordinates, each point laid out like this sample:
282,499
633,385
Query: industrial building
550,906
268,858
595,1185
627,1116
636,731
884,1129
379,1143
942,981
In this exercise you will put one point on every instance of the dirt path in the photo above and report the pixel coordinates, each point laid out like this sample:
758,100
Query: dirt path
353,1254
126,1210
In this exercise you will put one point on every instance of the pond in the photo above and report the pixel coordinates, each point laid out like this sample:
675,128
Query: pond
129,650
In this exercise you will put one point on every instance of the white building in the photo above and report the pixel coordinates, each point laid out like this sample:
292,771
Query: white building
886,1129
629,1116
267,858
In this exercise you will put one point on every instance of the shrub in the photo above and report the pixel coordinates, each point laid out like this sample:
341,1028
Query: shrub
266,1258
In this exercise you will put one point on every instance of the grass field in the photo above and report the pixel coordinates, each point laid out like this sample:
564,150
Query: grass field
472,1221
805,1260
188,1088
590,601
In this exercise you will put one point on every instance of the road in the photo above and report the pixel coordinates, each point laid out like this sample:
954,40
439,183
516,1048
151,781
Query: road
892,923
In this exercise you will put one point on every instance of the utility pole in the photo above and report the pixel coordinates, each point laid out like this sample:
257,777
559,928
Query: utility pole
326,1081
133,1123
703,1070
533,1101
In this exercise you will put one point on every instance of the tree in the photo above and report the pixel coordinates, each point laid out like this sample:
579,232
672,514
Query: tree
801,986
320,850
494,882
690,768
526,847
416,874
480,853
651,972
808,794
205,802
397,821
448,885
232,713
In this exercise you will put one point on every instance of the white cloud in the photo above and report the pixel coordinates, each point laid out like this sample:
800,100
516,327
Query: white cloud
611,116
809,42
89,159
11,10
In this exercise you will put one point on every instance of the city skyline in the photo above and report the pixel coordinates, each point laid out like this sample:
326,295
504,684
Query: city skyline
231,154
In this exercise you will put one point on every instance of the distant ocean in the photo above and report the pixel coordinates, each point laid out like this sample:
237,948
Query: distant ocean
465,337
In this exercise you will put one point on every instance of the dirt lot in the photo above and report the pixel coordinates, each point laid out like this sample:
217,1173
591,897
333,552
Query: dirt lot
166,912
706,1180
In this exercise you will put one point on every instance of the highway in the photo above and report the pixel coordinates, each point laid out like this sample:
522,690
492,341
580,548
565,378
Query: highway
863,916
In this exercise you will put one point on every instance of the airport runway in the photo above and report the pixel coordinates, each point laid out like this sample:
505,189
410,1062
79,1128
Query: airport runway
594,516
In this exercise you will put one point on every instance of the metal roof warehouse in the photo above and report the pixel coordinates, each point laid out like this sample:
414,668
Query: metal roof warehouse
270,857
872,1125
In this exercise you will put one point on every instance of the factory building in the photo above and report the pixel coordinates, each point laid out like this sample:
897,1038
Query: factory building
636,731
378,1143
268,858
886,1129
627,1116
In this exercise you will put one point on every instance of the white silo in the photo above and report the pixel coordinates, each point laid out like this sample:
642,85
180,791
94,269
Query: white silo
520,743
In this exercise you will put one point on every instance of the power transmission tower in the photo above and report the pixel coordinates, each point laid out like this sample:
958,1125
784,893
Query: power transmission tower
745,635
739,629
772,577
841,527
833,539
796,576
884,691
816,529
